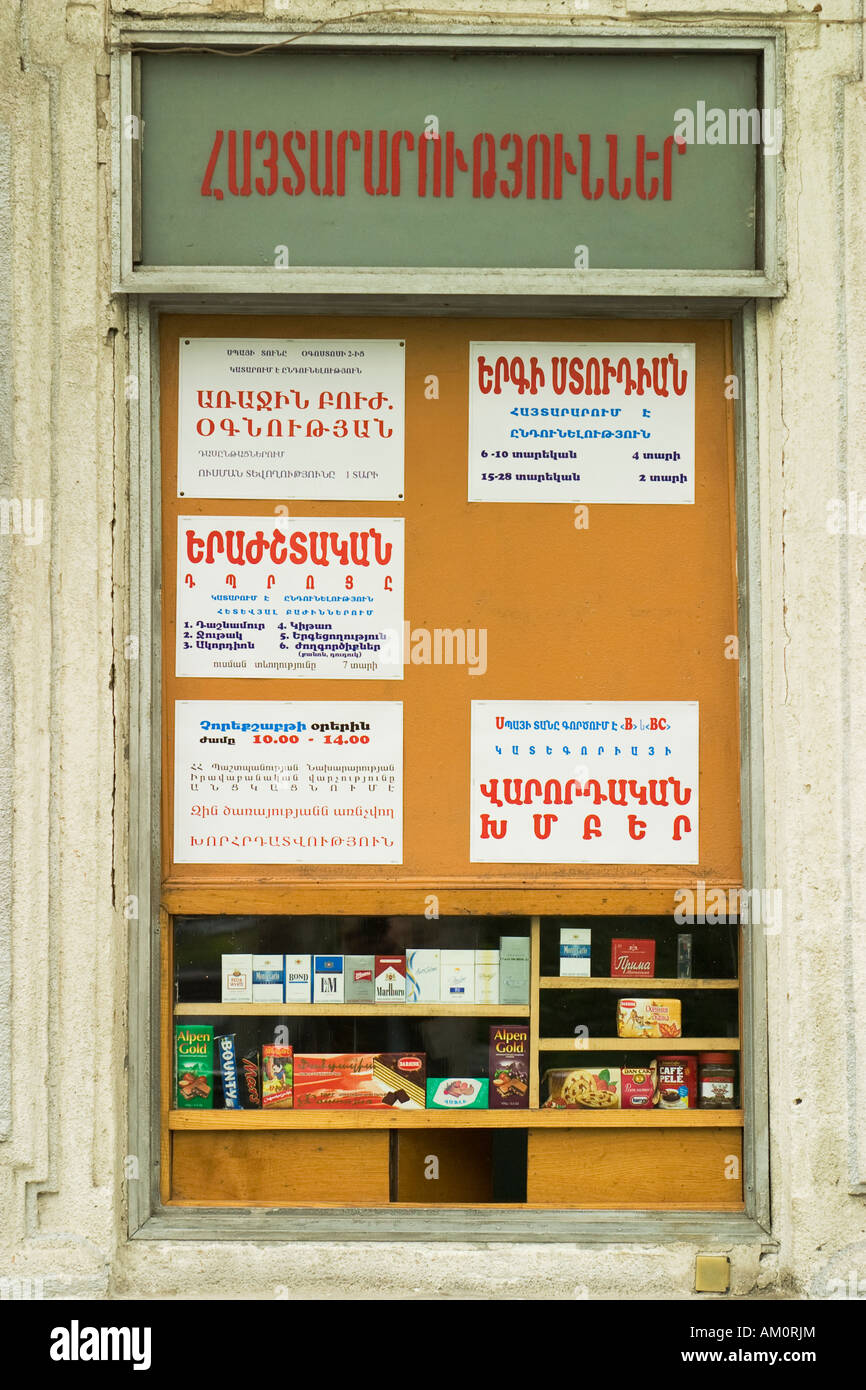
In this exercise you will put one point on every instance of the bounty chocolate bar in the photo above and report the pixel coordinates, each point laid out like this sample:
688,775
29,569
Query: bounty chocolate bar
227,1054
193,1046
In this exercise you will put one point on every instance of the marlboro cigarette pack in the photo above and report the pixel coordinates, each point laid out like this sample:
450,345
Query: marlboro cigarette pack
193,1046
237,973
269,979
328,980
390,979
276,1077
509,1066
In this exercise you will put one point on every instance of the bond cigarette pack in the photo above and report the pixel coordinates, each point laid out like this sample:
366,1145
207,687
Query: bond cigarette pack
633,956
575,951
269,979
237,973
422,977
648,1018
193,1046
328,980
509,1066
359,987
299,979
390,979
276,1077
457,1092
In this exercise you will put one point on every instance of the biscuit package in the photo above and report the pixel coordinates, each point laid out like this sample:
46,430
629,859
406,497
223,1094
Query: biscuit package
648,1018
583,1088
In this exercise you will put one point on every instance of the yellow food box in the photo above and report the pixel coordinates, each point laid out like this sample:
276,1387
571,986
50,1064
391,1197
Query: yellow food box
649,1018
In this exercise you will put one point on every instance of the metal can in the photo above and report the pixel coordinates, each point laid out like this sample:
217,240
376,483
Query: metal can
678,1082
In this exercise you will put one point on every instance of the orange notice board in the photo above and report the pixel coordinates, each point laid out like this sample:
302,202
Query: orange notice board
550,601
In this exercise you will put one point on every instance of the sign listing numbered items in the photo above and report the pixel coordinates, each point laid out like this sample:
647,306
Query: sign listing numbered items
300,597
294,418
584,782
288,782
582,422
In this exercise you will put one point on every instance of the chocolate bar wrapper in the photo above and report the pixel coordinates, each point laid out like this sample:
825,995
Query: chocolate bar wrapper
250,1079
227,1057
193,1050
509,1066
277,1077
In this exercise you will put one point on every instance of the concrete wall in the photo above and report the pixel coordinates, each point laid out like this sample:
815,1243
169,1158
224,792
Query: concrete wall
64,687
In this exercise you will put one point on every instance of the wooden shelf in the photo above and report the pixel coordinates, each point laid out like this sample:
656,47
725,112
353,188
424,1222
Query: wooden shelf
663,1045
453,1119
630,983
352,1010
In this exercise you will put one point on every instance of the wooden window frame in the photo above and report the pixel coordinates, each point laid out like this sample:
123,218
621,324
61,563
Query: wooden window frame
148,1217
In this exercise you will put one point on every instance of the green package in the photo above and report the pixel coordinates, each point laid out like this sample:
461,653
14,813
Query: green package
193,1050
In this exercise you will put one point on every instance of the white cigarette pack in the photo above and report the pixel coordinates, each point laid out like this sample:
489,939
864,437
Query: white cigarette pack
237,973
299,979
487,982
423,976
269,979
458,977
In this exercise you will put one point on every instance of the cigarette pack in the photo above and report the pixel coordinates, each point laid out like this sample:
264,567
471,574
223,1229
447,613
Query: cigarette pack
457,1092
328,980
575,951
193,1046
237,973
250,1079
513,948
487,981
487,955
514,980
390,979
509,1066
401,1076
648,1018
458,977
359,988
422,977
276,1077
227,1053
633,956
269,979
299,979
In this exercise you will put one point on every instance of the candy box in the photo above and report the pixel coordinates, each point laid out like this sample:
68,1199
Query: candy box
401,1077
457,1092
631,955
583,1088
639,1087
276,1077
648,1018
509,1066
336,1081
193,1046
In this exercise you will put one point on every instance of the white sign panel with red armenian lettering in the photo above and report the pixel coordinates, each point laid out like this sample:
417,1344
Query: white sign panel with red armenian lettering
288,782
279,417
584,782
305,597
582,422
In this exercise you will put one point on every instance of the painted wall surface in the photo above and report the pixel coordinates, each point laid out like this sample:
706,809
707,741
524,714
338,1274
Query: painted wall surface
66,667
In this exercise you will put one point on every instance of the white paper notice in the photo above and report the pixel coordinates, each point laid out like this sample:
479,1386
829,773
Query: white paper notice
279,782
288,417
582,422
315,597
584,782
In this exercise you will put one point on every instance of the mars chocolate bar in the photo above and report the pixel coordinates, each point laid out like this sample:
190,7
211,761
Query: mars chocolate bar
250,1087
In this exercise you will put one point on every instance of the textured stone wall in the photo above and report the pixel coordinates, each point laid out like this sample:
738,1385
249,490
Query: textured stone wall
64,685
